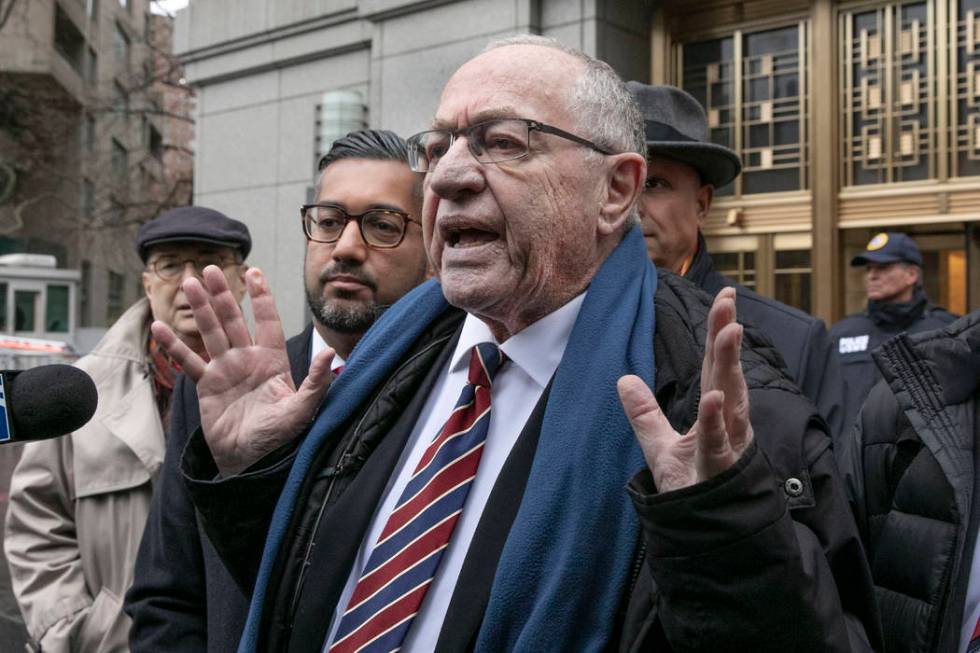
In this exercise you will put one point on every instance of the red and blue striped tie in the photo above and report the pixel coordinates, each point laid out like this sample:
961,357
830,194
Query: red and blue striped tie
405,559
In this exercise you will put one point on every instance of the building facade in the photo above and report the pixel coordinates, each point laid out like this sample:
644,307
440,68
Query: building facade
95,136
850,117
261,70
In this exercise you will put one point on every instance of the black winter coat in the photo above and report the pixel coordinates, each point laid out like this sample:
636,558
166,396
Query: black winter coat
800,338
856,336
182,597
912,475
764,557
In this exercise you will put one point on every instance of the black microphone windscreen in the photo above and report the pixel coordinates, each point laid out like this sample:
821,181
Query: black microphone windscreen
48,401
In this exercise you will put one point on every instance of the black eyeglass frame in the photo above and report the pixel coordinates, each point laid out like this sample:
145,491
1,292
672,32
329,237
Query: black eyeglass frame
357,217
414,141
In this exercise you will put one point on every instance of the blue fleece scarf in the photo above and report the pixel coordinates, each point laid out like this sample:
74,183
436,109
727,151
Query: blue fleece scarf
566,561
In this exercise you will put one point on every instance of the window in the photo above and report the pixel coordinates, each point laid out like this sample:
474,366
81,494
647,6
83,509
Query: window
753,86
888,104
85,294
792,273
120,164
88,199
894,101
965,91
3,307
91,67
114,298
92,9
737,266
124,4
88,133
56,313
120,100
68,40
25,308
154,141
120,44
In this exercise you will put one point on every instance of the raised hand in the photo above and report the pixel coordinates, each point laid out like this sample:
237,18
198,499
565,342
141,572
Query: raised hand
249,404
722,431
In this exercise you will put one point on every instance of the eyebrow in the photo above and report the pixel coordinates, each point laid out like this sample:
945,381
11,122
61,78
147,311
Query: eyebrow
370,207
481,116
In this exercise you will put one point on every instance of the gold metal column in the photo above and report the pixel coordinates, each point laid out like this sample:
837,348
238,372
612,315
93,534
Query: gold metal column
827,294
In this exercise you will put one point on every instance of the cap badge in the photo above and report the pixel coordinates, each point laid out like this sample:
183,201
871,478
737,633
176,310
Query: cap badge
879,241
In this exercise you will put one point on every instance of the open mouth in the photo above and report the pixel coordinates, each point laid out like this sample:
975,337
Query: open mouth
464,237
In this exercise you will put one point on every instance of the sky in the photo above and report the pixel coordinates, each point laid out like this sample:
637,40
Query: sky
167,6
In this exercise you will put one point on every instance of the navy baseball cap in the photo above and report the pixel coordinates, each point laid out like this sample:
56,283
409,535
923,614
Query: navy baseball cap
889,247
194,224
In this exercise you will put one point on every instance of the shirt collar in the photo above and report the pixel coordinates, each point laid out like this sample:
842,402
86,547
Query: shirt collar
537,350
318,344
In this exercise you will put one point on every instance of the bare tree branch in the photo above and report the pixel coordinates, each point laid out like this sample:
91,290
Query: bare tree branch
5,10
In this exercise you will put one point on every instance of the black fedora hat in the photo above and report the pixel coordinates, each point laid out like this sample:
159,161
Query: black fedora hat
676,126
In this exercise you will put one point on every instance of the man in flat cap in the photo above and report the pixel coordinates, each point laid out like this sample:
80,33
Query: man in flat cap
683,171
897,303
78,503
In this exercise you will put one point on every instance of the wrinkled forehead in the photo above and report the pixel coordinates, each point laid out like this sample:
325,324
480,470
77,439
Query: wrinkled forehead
517,81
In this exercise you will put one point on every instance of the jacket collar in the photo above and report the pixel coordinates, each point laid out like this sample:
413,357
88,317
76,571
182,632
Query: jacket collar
898,316
132,415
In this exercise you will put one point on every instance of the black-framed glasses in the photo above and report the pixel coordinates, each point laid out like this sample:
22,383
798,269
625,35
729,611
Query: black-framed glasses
491,141
324,223
171,267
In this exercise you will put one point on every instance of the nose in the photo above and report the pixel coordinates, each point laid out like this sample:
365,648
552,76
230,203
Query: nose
191,270
457,172
350,246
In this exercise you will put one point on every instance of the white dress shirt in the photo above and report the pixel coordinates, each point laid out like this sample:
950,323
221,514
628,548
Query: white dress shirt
534,355
317,345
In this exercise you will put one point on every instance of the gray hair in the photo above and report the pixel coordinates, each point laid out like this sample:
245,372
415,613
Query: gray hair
602,107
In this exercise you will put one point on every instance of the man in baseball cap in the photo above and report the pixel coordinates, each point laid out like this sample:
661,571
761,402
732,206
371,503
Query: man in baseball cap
78,504
683,170
896,302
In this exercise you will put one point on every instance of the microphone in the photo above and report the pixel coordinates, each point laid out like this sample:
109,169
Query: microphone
44,402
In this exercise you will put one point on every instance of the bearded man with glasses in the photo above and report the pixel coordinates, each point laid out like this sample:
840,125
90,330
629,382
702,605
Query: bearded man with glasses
78,503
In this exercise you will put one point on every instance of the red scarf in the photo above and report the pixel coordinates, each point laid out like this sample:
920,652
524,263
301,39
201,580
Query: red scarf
163,371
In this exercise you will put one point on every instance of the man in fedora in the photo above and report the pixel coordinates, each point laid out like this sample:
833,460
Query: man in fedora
683,170
897,303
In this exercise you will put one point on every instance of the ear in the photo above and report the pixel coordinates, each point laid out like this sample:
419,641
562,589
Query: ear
916,273
146,283
624,185
706,193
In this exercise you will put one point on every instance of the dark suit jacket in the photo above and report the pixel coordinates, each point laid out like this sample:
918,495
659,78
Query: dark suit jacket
800,339
183,598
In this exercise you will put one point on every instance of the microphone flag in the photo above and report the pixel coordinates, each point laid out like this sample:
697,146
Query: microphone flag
5,430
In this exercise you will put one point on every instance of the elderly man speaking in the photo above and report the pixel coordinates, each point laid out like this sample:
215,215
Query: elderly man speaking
492,471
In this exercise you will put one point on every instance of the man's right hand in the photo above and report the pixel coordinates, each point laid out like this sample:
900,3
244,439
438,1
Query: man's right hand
249,404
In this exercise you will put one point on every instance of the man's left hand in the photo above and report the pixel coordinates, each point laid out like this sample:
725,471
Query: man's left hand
722,431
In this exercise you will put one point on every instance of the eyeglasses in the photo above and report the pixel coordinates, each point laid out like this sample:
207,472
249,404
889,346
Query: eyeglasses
382,228
171,268
492,141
